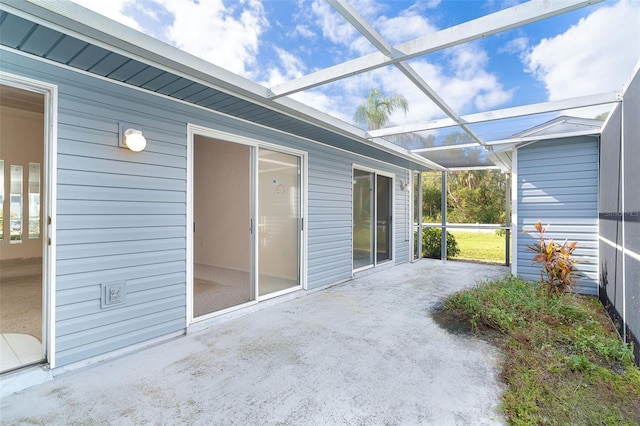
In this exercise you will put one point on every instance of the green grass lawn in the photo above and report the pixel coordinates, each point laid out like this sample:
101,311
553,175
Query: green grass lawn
487,247
564,363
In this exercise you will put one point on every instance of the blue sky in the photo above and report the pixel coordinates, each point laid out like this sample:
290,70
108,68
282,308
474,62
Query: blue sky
591,50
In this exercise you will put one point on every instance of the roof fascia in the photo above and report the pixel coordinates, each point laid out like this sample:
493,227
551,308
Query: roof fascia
513,17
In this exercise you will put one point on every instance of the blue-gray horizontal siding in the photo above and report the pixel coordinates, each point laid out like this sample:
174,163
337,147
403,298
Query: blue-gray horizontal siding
331,215
329,220
122,215
558,186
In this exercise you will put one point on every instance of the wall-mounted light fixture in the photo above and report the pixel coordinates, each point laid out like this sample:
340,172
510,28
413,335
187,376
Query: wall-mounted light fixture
132,138
404,185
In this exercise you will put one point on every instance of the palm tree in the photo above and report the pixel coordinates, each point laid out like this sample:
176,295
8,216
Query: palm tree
374,113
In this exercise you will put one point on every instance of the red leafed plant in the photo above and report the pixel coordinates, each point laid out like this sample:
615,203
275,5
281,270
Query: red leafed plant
558,274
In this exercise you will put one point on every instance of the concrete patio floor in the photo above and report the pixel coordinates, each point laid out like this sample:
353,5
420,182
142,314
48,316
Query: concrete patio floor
363,352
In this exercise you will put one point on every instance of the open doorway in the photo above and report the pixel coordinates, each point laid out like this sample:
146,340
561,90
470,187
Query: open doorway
222,225
22,295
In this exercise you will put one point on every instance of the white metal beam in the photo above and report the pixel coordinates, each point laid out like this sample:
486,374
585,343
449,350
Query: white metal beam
501,114
532,11
510,141
446,147
354,18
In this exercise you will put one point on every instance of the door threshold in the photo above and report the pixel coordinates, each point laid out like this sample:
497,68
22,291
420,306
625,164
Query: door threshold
221,317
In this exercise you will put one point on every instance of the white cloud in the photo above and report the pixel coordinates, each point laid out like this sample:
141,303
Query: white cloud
404,27
113,9
334,27
596,55
516,45
305,31
490,99
291,67
226,36
466,60
325,103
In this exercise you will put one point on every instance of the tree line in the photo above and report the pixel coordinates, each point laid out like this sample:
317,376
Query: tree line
473,196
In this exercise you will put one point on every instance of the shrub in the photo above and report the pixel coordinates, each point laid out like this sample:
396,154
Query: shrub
431,244
558,274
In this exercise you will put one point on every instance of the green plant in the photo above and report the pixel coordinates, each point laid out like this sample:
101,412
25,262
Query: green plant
564,363
580,363
558,274
431,244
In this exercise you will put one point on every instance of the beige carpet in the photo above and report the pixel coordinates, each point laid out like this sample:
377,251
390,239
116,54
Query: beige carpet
216,288
21,296
212,296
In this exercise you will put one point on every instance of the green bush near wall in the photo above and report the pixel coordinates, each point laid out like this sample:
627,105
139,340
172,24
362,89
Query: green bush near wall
431,244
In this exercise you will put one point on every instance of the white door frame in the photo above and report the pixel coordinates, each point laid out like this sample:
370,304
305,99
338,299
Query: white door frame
50,147
192,131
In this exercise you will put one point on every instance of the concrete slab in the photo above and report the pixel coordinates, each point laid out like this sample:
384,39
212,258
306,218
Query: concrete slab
363,352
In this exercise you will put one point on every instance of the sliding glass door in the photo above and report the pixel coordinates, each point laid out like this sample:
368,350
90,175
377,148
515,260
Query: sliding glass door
372,218
247,223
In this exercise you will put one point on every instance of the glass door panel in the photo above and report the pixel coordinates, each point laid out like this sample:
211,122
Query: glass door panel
279,225
222,220
363,218
384,221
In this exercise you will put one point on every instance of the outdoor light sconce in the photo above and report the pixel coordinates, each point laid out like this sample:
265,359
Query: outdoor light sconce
132,139
404,185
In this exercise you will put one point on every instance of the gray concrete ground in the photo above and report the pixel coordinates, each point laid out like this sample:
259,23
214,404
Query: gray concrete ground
365,352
